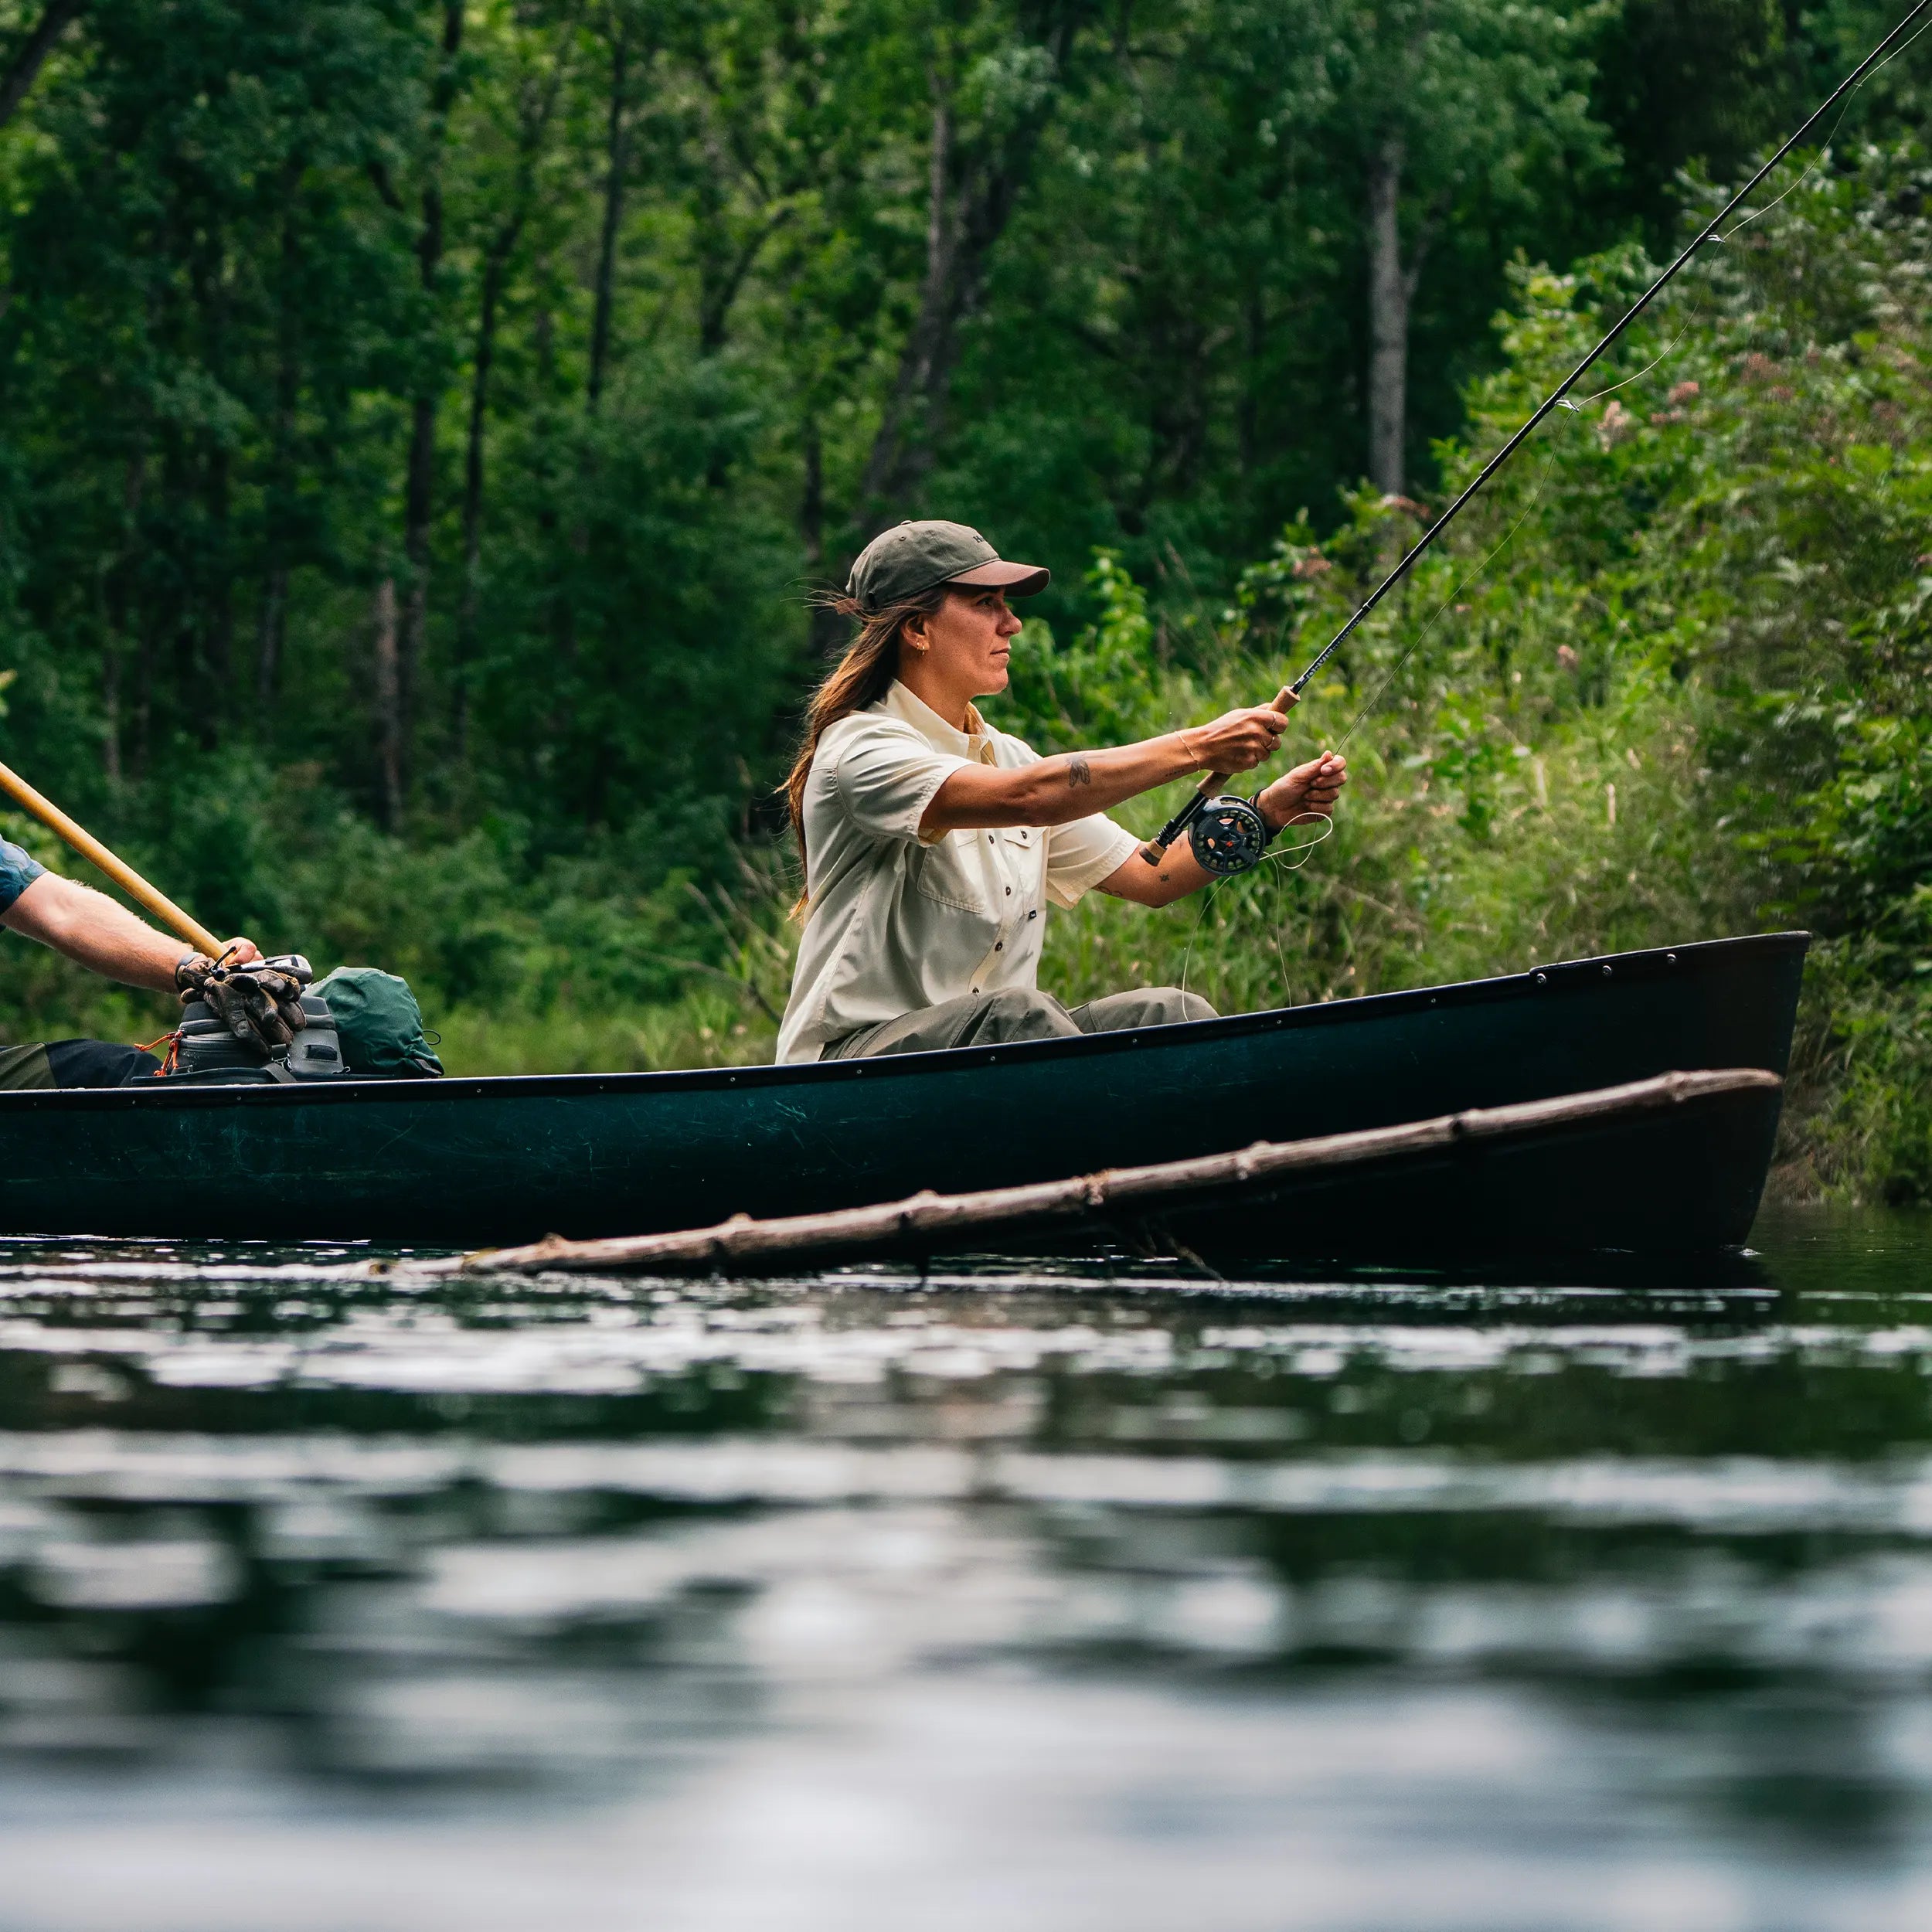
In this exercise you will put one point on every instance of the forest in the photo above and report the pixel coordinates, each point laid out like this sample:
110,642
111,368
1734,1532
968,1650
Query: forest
424,427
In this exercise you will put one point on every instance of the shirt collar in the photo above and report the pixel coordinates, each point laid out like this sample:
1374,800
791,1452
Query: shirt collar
901,703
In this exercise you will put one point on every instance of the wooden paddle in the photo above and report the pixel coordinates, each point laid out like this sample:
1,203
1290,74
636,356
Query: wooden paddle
97,855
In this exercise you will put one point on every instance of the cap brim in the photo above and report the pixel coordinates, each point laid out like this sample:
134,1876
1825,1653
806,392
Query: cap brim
1016,580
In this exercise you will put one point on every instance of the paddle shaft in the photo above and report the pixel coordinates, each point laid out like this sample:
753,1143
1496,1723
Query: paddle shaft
1155,850
97,856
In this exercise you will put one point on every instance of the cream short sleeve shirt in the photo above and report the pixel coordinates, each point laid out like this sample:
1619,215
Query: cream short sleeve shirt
896,923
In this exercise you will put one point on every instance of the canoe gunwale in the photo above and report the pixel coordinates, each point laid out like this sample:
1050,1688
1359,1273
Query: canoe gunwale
1534,981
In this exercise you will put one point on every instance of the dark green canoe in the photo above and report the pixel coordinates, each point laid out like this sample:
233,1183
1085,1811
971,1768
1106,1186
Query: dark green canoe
463,1162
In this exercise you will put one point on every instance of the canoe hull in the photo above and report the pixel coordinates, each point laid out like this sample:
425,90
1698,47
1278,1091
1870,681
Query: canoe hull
463,1162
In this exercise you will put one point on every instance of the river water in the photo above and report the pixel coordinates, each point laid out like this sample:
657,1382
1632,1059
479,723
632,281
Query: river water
1123,1599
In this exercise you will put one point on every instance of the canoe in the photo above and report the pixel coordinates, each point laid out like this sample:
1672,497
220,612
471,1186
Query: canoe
466,1162
1457,1177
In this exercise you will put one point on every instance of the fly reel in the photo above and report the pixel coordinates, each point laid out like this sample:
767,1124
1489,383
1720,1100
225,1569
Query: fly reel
1228,836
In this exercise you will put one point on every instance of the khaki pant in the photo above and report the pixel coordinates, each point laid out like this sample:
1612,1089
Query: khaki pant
992,1019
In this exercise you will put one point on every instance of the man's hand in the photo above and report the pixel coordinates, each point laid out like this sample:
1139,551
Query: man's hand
1309,792
240,952
1239,740
258,1004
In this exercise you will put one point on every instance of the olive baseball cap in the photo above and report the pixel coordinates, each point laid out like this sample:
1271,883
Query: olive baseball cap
911,558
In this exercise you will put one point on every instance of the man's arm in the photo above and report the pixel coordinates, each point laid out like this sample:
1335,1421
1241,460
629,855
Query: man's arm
1309,790
102,935
1055,791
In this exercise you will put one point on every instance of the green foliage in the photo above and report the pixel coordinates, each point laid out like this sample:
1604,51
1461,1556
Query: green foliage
1102,689
1666,682
422,421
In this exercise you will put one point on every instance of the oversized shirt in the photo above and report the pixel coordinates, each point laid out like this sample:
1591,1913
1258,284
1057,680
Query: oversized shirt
897,922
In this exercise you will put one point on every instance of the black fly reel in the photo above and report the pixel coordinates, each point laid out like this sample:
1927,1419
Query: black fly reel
1228,836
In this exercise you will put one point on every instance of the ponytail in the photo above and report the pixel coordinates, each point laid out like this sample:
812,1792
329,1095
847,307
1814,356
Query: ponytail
863,676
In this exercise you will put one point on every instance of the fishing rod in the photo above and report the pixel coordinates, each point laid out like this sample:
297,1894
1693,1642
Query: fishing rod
1228,834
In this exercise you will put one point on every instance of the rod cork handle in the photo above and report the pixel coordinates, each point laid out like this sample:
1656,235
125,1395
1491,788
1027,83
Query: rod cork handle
97,856
1156,849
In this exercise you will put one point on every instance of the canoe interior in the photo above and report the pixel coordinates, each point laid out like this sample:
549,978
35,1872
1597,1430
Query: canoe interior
465,1162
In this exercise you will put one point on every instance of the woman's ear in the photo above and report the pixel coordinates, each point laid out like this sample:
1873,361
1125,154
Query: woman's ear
912,633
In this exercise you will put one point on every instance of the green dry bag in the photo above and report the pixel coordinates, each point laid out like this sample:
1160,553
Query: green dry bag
379,1024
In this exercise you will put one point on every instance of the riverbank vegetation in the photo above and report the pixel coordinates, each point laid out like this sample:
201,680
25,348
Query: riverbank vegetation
422,423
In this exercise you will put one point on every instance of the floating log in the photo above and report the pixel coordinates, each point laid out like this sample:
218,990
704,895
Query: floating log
929,1220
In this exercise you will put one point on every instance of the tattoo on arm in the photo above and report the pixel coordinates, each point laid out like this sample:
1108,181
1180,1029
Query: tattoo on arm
1079,772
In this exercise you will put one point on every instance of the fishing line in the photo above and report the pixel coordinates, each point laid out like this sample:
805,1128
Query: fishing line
1904,36
1578,403
1280,858
1375,697
1200,918
1894,43
1274,930
1824,147
1308,845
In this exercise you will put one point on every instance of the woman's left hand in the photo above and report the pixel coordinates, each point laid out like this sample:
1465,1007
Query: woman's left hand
1309,790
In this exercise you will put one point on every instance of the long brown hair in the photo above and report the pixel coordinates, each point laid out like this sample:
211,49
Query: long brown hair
861,677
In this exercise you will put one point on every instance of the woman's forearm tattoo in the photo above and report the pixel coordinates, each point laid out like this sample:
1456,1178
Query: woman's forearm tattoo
1079,772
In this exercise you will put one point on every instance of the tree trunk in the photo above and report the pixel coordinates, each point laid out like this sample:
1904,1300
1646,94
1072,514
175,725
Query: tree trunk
543,331
823,624
534,121
143,720
220,615
1390,290
494,267
271,627
208,619
419,504
271,639
971,191
811,502
893,468
723,268
34,50
388,703
615,143
119,602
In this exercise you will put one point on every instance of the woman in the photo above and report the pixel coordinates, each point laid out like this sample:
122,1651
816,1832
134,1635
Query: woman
933,845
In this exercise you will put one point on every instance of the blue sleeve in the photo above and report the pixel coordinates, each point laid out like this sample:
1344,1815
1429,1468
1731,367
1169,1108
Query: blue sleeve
17,871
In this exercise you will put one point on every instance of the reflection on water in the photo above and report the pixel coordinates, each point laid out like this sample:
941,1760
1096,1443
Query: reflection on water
1020,1601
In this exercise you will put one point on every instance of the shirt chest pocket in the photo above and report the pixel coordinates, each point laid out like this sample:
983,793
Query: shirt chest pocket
1022,858
952,872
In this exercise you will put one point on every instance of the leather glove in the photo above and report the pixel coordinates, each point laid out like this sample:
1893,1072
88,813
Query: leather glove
258,1003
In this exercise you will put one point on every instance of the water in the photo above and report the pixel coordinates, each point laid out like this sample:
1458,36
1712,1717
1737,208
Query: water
1025,1600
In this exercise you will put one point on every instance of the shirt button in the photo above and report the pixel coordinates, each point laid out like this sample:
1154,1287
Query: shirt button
1034,913
999,945
1009,892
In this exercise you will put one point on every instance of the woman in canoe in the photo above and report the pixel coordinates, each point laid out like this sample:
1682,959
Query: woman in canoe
933,845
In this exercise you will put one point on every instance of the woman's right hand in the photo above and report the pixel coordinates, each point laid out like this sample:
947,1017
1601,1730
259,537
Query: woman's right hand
1238,741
